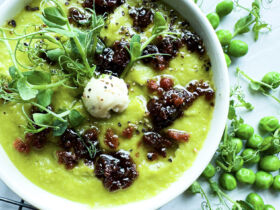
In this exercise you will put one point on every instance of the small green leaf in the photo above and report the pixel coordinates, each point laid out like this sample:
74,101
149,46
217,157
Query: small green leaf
75,118
60,127
160,23
255,86
13,72
55,54
43,119
243,24
49,23
100,46
37,77
52,14
62,32
135,46
44,97
25,91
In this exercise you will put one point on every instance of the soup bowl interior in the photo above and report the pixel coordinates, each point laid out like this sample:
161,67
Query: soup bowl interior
45,200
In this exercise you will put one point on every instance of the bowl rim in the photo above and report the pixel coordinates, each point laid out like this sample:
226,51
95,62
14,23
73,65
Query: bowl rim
198,20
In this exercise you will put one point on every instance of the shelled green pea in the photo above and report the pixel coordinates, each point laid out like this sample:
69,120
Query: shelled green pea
246,176
214,19
255,141
228,60
268,207
238,164
228,181
224,7
269,124
244,131
255,200
264,180
250,156
272,78
238,144
224,36
209,171
270,163
276,183
273,145
238,48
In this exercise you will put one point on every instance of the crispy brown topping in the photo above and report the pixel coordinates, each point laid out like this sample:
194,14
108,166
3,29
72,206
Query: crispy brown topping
21,146
159,143
67,158
152,85
116,170
114,60
142,17
193,42
76,16
178,135
111,140
102,6
172,103
166,83
128,132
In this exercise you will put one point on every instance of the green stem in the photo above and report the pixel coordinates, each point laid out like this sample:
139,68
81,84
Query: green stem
75,38
127,68
252,80
206,198
43,87
272,96
241,29
58,116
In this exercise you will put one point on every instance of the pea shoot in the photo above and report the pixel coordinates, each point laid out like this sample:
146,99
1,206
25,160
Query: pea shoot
252,21
260,86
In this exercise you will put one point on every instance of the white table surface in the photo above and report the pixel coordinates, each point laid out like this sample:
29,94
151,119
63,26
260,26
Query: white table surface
263,56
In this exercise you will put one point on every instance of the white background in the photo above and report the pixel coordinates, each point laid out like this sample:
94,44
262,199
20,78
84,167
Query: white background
263,56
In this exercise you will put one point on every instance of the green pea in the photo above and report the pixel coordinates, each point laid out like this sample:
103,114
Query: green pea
195,188
224,36
238,48
246,176
276,183
238,144
270,163
214,19
269,124
255,141
224,8
272,78
244,131
264,180
228,181
209,171
251,156
238,164
268,207
273,146
255,200
228,60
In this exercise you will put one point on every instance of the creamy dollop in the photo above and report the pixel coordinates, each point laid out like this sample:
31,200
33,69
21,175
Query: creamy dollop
105,94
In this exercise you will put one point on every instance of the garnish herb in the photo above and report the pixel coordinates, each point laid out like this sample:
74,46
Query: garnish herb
265,86
243,25
136,47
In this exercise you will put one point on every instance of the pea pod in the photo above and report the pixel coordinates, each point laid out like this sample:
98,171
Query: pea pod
264,180
255,200
270,163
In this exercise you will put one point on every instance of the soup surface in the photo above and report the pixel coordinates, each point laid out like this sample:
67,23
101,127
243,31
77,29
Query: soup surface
158,149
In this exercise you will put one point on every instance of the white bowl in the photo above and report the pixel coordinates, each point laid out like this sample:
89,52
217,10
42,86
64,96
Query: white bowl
45,200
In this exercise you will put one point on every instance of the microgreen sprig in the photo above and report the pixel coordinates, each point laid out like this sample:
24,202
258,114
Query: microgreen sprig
136,47
259,86
252,19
